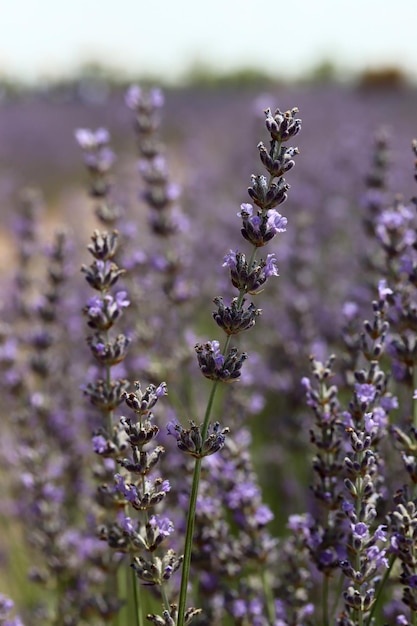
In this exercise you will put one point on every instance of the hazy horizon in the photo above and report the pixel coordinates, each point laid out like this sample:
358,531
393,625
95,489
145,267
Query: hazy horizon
167,38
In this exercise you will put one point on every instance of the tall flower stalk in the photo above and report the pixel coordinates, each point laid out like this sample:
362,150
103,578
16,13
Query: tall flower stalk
260,224
109,350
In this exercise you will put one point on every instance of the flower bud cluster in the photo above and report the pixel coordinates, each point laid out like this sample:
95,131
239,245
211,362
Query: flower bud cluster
403,537
376,181
250,278
6,606
191,440
234,319
160,194
51,454
259,226
136,487
325,536
169,618
216,366
102,312
99,159
366,422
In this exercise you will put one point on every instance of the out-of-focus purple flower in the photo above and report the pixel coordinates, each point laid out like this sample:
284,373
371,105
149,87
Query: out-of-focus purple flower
6,606
301,524
242,494
125,522
133,97
384,290
263,515
388,402
137,99
350,310
101,161
90,139
99,444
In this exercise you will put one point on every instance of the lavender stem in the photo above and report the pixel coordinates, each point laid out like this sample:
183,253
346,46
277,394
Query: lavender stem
191,514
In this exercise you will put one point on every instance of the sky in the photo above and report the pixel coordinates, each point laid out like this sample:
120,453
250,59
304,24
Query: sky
51,38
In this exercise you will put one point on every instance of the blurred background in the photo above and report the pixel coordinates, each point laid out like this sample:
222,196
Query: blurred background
175,41
67,65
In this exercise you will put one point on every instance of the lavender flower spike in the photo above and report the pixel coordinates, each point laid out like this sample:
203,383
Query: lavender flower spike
216,366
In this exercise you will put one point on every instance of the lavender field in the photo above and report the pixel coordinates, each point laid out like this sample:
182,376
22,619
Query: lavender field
156,467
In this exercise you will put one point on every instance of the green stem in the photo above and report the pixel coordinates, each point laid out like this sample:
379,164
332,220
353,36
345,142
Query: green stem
380,590
414,399
209,408
114,583
325,600
191,514
137,592
188,543
269,597
196,481
165,597
337,596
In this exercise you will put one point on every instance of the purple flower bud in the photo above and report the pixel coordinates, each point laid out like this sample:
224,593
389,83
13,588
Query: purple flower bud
133,97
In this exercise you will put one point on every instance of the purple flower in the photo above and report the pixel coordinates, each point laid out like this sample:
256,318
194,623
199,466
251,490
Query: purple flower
242,494
89,139
360,531
271,266
350,310
366,393
133,97
215,365
239,608
165,486
129,491
6,606
383,290
377,556
276,222
137,99
388,402
161,390
375,421
125,523
263,515
99,444
230,260
327,557
380,533
163,525
347,506
101,160
301,524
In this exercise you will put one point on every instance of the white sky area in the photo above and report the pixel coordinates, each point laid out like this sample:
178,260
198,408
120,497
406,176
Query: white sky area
51,38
